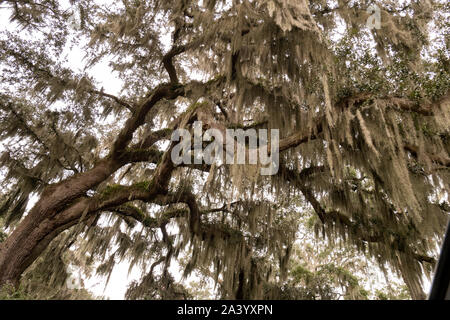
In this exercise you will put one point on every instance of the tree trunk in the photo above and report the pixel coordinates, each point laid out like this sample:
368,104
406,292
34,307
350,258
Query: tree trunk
31,238
59,207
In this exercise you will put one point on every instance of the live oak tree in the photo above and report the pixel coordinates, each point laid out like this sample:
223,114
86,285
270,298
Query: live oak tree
363,115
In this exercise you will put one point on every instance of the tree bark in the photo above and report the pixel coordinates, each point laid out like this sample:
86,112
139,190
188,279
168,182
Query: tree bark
30,239
60,206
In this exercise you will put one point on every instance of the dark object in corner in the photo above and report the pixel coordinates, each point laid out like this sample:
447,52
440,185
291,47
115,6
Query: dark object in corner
440,289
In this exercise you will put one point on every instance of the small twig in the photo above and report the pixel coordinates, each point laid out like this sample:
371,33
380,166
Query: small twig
116,99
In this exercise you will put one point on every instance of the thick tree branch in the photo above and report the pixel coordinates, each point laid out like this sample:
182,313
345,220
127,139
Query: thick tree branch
147,221
168,62
164,91
154,137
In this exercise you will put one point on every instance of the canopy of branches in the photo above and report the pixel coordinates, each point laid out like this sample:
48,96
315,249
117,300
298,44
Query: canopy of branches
88,181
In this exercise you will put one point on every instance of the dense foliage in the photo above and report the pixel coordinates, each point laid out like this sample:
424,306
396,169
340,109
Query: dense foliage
364,120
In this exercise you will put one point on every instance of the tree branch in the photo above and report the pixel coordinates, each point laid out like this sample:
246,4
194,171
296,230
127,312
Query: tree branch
164,91
445,161
116,99
168,62
335,216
